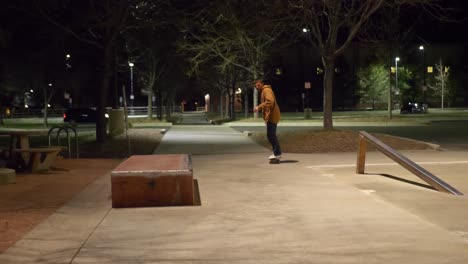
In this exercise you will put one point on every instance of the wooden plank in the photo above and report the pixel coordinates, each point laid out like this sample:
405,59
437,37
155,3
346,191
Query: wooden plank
406,163
36,160
361,159
38,150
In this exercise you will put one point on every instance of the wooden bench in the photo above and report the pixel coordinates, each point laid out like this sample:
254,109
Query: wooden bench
34,159
153,180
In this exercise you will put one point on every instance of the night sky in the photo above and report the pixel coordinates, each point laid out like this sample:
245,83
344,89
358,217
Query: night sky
27,35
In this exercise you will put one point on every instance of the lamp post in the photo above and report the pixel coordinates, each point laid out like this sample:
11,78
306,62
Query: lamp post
390,100
131,86
397,59
424,88
67,80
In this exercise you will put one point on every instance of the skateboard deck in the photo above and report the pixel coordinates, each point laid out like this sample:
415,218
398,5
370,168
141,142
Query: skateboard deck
274,161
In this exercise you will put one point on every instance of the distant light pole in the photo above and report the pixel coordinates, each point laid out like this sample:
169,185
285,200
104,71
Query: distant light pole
67,79
390,100
424,88
397,59
131,86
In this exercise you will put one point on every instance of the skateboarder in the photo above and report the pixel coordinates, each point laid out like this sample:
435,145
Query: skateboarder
271,116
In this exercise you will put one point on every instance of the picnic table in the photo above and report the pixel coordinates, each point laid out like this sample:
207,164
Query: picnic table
21,156
19,137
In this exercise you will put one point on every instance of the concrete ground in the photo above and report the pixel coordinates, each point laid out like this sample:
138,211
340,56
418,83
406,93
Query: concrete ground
311,208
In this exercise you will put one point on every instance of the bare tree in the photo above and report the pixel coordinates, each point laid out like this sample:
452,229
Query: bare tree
331,25
228,32
441,82
145,45
154,66
100,24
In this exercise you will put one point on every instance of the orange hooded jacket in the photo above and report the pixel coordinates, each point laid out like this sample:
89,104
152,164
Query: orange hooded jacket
269,106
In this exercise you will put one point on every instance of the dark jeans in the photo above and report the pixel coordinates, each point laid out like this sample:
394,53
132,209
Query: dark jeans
271,135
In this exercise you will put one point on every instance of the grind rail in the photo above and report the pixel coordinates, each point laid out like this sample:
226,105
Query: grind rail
403,161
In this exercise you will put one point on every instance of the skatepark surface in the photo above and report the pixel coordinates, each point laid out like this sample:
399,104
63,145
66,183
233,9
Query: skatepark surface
311,208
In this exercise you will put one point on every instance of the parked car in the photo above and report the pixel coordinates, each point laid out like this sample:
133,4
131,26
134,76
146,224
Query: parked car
413,108
80,115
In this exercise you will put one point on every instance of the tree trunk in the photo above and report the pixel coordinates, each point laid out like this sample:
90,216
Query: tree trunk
229,104
115,79
46,124
101,124
329,69
246,103
167,105
159,104
150,103
443,90
255,96
233,100
226,102
221,104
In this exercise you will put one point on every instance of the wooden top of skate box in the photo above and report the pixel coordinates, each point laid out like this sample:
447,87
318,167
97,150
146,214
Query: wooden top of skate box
155,166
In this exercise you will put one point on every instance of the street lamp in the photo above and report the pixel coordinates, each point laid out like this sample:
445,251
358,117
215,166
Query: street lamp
424,88
397,59
69,93
67,61
131,86
390,100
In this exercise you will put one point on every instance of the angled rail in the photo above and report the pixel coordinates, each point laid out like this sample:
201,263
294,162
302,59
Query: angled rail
406,163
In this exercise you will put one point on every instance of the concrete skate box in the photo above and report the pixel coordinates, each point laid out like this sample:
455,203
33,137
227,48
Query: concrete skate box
153,180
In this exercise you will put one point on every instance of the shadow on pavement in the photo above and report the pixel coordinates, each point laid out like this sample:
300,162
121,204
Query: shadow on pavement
403,180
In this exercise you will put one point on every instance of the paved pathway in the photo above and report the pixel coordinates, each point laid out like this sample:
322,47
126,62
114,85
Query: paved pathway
312,208
207,139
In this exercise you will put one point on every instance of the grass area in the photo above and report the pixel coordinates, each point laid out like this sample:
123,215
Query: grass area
142,142
114,147
175,117
366,116
321,141
216,118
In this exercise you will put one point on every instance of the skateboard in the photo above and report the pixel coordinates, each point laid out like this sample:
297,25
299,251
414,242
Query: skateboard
274,161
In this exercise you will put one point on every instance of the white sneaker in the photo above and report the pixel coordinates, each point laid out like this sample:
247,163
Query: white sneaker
274,157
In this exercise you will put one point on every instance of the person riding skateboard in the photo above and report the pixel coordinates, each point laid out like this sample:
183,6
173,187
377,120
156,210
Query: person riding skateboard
271,115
